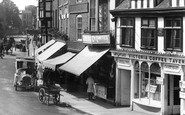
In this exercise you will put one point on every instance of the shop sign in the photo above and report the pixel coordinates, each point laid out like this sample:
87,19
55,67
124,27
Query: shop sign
171,68
182,95
96,38
124,62
182,84
155,58
160,80
101,91
152,88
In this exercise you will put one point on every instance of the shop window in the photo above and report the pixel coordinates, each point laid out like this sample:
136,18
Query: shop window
127,32
148,33
79,27
173,34
146,87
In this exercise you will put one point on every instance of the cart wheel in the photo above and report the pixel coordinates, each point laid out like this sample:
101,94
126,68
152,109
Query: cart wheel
42,95
56,99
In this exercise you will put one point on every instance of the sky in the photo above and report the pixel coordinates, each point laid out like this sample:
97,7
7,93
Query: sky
22,3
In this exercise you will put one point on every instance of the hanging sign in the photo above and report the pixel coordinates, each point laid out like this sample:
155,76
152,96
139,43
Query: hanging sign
160,80
152,88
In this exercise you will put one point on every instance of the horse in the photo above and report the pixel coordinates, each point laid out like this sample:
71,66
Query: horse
8,45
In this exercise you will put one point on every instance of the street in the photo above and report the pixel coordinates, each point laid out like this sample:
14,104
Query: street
24,102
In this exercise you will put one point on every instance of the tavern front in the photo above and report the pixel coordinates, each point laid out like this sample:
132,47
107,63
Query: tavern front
149,56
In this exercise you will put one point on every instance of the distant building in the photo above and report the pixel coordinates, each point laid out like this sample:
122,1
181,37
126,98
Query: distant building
28,17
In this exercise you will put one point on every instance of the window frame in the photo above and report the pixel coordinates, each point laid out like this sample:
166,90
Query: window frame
77,27
148,27
132,26
180,49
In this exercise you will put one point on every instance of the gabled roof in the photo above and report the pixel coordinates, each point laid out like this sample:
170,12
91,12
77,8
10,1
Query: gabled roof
164,4
124,5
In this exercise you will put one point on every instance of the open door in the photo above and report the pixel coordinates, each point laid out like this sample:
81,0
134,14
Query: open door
173,94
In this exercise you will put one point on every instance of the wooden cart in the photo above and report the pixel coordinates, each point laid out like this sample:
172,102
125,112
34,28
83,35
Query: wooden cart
50,93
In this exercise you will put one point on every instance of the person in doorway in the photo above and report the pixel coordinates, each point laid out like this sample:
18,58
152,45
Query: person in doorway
90,87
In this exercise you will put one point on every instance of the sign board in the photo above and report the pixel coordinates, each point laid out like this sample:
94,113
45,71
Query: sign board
182,95
101,91
149,57
124,62
96,38
160,80
171,68
152,88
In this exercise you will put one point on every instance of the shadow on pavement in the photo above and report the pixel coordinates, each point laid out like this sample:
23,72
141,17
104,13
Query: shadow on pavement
78,96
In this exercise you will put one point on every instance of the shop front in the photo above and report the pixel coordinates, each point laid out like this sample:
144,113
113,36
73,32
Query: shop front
95,62
150,83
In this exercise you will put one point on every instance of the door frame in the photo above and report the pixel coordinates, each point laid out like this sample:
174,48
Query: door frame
171,108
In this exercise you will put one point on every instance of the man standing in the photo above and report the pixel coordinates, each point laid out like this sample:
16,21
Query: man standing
90,88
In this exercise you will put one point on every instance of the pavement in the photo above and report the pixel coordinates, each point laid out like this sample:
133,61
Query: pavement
97,107
80,102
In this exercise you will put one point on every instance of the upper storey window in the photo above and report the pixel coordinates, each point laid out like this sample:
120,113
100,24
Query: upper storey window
99,15
148,33
127,32
173,34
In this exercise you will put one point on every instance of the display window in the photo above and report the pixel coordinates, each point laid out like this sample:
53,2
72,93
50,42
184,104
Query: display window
146,87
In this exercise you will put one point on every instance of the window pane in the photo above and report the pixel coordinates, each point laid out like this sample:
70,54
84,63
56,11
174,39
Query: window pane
168,23
144,85
148,38
173,36
144,22
79,27
127,22
48,6
176,23
92,21
152,23
169,40
127,36
48,14
176,38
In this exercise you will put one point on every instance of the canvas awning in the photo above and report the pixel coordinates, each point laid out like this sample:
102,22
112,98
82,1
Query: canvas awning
52,63
83,60
50,51
43,47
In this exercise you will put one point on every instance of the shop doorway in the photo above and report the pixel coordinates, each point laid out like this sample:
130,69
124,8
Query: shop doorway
173,100
125,87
